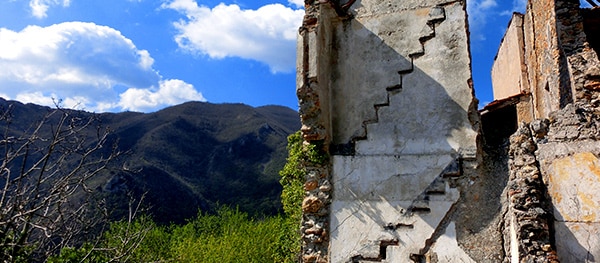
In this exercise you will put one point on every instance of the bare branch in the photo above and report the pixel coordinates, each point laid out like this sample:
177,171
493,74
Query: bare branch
44,172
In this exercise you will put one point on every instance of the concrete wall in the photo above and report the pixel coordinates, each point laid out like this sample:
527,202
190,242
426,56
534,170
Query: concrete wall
509,71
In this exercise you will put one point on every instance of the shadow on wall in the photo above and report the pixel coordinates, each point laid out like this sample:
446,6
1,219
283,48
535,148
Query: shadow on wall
570,248
403,122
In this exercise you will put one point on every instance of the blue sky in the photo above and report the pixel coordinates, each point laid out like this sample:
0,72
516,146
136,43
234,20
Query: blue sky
144,55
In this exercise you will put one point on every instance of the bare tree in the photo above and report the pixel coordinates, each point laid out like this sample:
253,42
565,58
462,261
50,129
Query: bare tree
45,172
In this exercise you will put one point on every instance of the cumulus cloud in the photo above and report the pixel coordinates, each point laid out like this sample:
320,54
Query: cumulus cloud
479,11
39,8
169,92
267,34
84,66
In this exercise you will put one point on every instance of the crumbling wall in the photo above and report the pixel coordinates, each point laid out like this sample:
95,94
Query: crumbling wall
314,47
562,66
569,160
583,63
386,90
529,217
546,62
554,161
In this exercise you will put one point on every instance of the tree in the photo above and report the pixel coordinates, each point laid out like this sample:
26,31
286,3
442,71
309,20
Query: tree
45,170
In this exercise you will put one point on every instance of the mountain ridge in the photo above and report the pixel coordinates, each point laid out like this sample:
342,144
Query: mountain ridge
190,156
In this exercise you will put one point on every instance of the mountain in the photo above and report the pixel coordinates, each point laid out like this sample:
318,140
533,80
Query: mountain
188,157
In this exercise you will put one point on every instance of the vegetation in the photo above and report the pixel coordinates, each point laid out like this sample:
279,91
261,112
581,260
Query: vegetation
292,178
228,236
44,175
57,186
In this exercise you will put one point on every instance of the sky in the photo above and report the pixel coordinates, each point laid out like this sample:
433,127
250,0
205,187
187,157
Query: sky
145,55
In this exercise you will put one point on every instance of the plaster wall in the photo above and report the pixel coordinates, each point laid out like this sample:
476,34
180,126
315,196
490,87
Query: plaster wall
569,160
403,125
509,73
386,92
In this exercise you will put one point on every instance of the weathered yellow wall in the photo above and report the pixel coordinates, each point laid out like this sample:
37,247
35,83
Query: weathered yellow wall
574,184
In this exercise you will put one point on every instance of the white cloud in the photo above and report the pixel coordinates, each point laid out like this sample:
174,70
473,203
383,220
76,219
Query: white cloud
479,11
82,64
297,3
170,92
267,34
39,8
37,98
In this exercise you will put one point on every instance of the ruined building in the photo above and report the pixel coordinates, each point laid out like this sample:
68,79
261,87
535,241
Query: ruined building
415,173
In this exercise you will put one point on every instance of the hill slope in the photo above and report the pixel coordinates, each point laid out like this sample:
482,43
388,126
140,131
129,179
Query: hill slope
190,156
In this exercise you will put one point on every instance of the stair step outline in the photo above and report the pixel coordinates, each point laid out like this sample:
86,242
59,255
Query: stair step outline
435,192
436,15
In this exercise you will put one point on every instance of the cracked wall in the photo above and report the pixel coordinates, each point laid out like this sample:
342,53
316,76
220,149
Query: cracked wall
554,160
386,88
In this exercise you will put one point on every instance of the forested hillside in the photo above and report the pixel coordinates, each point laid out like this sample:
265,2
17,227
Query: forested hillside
185,158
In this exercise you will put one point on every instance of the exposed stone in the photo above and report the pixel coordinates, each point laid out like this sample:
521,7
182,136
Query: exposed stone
540,128
407,181
527,216
311,204
311,185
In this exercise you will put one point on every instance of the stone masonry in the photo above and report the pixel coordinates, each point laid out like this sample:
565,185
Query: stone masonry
554,175
414,173
386,88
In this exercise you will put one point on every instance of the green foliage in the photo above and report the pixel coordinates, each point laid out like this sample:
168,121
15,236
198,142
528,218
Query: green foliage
293,173
292,177
84,254
228,236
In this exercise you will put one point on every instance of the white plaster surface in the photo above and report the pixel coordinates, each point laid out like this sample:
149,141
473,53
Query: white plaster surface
579,242
447,250
393,178
358,228
415,131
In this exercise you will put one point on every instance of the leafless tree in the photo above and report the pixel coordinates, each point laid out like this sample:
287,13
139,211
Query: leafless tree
45,170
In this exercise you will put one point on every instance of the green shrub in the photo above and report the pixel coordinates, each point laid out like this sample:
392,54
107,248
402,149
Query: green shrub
227,236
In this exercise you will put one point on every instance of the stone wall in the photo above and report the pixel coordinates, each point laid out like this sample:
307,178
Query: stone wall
568,157
385,92
386,89
561,64
314,47
554,160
